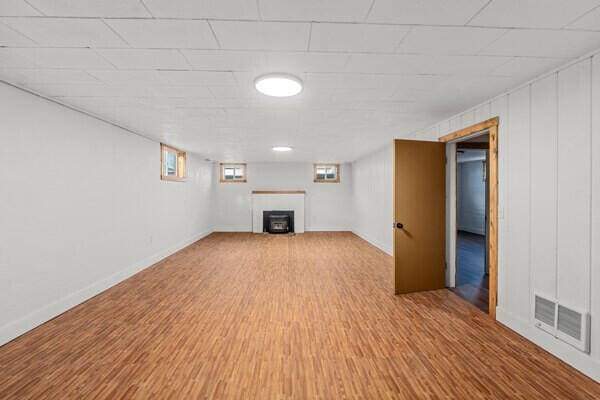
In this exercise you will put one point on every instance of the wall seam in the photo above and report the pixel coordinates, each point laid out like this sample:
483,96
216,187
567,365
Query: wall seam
591,182
556,190
529,258
507,185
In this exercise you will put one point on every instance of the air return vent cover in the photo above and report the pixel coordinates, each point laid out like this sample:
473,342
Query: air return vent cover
564,323
545,314
573,327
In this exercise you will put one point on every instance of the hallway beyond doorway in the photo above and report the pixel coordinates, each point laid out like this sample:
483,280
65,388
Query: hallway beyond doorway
472,283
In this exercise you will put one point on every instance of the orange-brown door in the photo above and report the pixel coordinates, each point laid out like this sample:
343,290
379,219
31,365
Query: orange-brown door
419,216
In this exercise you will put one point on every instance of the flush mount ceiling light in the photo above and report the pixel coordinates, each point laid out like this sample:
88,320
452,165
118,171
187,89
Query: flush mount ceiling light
282,148
278,85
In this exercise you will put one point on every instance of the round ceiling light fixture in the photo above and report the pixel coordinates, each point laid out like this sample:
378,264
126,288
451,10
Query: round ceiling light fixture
278,85
282,148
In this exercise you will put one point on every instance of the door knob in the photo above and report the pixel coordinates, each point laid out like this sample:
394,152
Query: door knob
399,225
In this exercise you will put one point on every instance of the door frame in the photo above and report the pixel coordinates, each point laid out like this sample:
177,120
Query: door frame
490,125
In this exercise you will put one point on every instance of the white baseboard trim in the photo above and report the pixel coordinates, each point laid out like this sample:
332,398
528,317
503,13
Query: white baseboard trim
577,359
375,243
306,229
24,324
233,229
327,229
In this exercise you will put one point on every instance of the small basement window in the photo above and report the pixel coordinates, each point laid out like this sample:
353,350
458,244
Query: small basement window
233,173
327,173
172,163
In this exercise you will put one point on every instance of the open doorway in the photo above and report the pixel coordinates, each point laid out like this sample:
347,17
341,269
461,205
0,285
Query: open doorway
481,136
472,233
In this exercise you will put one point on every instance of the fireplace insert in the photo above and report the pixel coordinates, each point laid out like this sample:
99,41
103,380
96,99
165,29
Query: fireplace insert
277,221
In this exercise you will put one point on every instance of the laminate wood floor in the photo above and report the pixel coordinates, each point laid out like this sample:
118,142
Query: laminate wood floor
243,316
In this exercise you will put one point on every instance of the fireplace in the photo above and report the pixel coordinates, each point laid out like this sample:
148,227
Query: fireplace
278,221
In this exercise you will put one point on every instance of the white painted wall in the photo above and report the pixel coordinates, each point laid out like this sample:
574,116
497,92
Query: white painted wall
471,197
82,208
549,199
328,206
372,197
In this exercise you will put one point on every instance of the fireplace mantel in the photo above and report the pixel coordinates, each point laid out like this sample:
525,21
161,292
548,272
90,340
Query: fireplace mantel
277,200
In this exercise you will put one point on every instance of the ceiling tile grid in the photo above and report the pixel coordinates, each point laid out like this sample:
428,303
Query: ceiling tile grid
183,71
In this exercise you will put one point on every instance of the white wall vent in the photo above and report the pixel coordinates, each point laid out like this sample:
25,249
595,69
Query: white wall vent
545,314
564,323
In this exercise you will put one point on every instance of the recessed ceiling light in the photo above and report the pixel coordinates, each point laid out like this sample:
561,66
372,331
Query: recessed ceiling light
282,148
278,85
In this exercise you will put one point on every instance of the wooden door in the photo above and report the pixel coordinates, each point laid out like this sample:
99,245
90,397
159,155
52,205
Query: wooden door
419,216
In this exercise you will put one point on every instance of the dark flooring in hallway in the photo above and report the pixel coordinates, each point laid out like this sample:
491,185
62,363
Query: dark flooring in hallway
472,283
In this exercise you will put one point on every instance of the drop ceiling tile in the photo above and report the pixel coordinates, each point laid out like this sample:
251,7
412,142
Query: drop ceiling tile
223,60
370,81
385,63
589,21
91,8
152,33
100,103
356,37
245,81
226,92
65,58
11,38
251,35
198,77
15,58
469,90
411,96
324,81
23,77
135,77
75,89
16,8
66,32
222,9
303,62
431,12
374,81
462,65
544,43
532,13
129,90
145,59
220,102
181,91
528,67
314,10
448,40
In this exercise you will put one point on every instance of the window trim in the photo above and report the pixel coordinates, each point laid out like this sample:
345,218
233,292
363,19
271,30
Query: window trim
222,167
325,180
181,164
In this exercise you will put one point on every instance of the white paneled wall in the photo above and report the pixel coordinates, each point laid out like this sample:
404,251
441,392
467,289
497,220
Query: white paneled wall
82,207
328,206
549,199
574,189
518,181
372,197
544,152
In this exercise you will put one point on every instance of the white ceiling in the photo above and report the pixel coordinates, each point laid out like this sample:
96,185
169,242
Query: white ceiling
182,71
